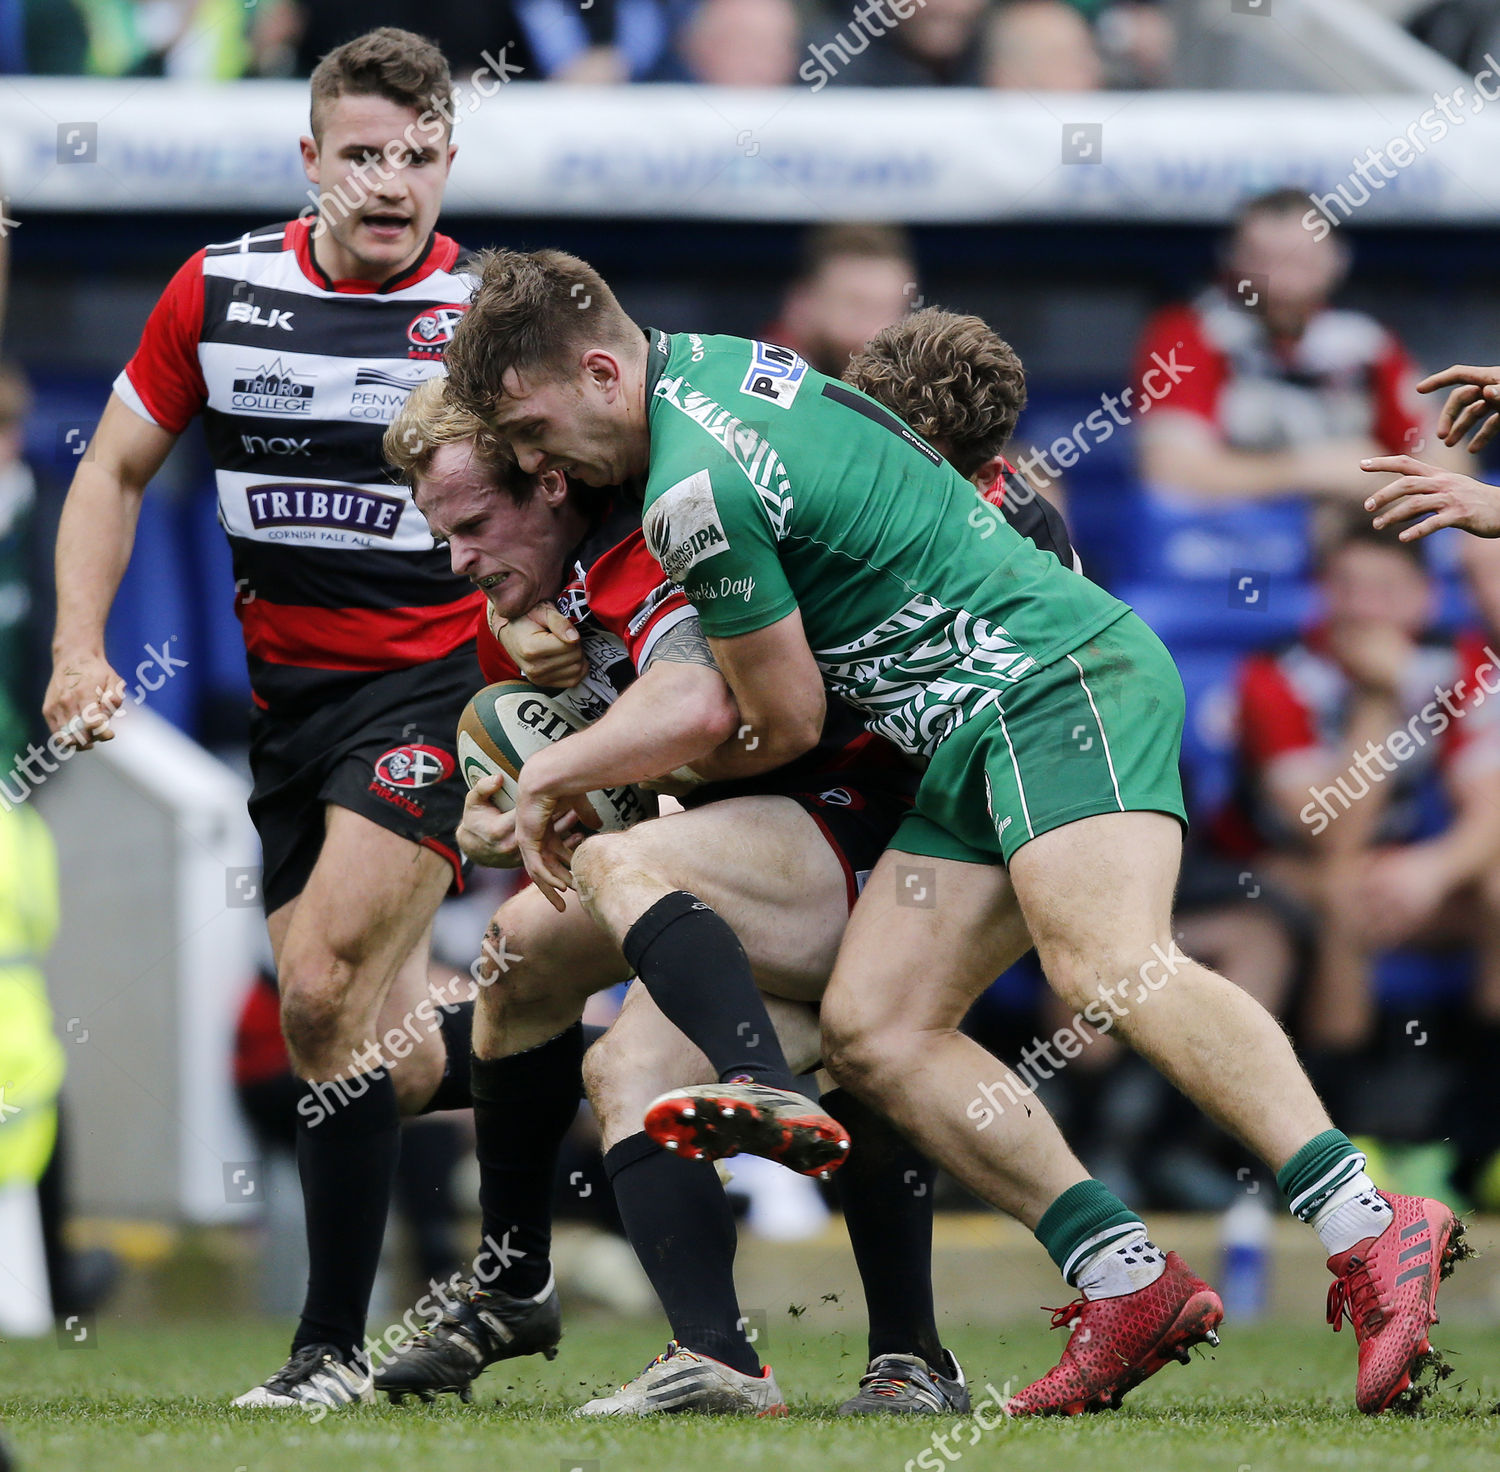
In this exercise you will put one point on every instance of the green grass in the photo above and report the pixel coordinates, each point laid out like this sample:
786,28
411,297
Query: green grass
1271,1399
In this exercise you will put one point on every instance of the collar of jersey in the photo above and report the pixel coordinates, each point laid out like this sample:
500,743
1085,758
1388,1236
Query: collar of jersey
656,362
428,261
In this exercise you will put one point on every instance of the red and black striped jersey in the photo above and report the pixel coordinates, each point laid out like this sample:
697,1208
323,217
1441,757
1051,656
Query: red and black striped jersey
296,377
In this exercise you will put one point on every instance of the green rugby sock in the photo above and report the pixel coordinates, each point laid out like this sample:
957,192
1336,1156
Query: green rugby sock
1317,1170
1082,1222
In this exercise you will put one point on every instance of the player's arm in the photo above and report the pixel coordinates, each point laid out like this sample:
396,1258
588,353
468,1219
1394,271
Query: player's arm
1473,404
94,540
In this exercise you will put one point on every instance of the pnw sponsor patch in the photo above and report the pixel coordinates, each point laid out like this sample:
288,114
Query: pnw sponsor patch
378,393
683,527
775,374
414,766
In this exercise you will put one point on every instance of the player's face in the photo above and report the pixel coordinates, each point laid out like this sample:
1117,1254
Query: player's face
1365,586
573,425
513,554
379,169
852,298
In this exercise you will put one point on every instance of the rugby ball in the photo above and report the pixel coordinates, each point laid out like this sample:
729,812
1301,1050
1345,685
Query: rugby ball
512,720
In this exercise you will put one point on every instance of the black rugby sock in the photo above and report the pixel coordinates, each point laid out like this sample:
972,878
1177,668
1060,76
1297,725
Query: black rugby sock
697,972
523,1106
348,1145
680,1224
884,1188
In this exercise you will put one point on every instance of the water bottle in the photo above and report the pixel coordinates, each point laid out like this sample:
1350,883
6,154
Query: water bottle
1244,1280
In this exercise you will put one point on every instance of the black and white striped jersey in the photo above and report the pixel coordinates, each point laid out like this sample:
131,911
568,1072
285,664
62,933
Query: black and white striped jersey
297,376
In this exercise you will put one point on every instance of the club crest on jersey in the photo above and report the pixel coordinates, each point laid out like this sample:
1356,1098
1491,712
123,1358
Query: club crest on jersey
683,527
775,374
414,766
431,330
272,389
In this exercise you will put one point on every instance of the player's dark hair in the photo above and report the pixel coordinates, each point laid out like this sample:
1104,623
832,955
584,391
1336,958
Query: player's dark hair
1356,530
398,65
951,377
535,312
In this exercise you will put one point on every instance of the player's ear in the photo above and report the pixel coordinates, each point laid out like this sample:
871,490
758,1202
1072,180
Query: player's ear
552,487
988,473
603,368
310,158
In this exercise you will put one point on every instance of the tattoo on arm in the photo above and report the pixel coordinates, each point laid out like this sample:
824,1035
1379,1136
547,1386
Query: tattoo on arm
683,643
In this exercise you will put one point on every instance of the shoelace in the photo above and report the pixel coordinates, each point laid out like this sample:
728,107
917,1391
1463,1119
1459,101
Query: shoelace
1067,1313
673,1347
886,1382
1354,1296
299,1367
465,1297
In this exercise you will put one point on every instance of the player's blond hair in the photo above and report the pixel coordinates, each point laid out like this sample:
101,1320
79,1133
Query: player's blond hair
429,420
534,312
951,377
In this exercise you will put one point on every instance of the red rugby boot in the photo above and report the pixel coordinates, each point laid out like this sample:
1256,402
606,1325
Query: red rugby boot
1387,1288
710,1121
1118,1342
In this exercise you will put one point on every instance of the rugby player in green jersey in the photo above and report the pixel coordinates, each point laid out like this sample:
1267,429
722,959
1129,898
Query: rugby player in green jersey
830,551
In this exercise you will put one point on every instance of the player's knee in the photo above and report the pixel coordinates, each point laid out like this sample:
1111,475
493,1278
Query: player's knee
596,859
312,1015
857,1054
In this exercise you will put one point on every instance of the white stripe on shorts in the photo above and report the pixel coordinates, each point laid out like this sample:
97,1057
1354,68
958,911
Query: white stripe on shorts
1105,739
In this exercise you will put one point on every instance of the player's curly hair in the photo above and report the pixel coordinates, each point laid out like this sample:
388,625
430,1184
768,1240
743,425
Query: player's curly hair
951,377
388,62
429,419
535,312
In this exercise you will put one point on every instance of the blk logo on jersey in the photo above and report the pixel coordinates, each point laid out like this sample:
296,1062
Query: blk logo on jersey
775,374
414,766
352,509
252,316
432,330
272,389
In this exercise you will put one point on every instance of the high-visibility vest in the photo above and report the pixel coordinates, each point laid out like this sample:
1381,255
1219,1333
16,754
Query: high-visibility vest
31,1058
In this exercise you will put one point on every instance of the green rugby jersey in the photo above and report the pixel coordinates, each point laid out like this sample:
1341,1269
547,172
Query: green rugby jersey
772,487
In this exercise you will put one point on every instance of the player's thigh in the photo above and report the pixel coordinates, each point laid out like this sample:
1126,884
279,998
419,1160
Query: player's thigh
534,954
764,865
926,938
1097,893
369,900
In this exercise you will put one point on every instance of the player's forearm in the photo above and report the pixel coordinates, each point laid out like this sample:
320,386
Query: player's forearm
673,716
1471,846
94,540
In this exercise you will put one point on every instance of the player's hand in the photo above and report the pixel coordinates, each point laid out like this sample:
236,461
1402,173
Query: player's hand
548,829
1472,404
1420,489
485,834
545,645
82,695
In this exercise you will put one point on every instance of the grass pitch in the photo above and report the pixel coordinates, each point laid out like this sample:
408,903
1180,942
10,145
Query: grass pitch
1270,1399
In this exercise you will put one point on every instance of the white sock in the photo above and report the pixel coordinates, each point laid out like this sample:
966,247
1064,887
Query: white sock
1354,1211
1122,1267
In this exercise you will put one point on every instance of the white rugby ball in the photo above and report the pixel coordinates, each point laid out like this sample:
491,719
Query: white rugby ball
512,720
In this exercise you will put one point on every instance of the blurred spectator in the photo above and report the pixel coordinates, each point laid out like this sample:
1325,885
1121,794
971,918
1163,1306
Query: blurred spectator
1370,788
203,39
742,43
24,559
1137,41
854,280
462,31
1040,46
1267,390
936,45
1465,31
